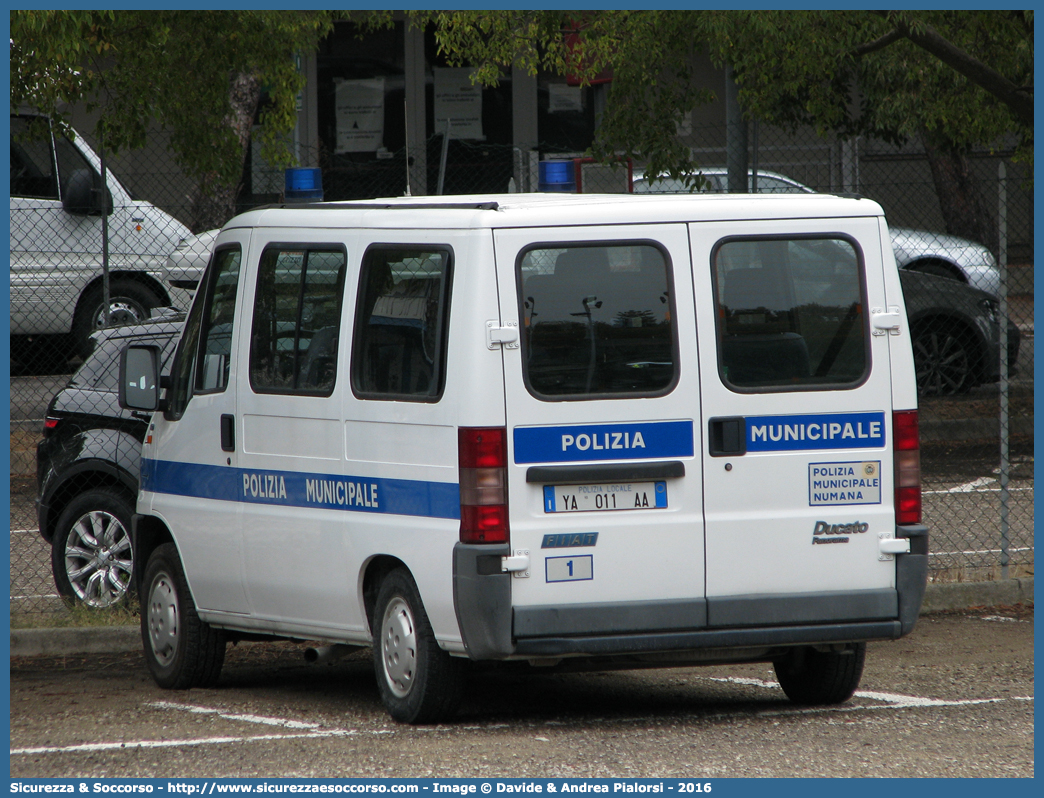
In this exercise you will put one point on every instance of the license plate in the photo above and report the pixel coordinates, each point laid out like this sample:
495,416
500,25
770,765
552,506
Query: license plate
600,498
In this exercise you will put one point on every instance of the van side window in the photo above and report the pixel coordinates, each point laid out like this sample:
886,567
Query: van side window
207,332
297,319
215,351
597,320
400,323
790,313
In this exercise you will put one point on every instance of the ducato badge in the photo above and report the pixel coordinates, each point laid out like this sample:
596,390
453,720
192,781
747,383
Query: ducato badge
837,533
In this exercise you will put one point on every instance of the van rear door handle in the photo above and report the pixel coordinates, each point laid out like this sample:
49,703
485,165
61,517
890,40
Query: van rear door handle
727,436
228,433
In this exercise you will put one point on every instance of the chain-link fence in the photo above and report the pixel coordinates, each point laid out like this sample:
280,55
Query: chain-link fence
970,305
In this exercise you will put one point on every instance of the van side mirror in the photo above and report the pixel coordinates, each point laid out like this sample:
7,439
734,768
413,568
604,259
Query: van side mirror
81,195
139,378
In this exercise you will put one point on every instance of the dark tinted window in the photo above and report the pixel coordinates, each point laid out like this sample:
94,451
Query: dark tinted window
101,371
597,320
32,160
400,325
297,319
790,313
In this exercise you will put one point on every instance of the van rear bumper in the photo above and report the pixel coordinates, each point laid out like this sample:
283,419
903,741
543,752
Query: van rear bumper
757,637
492,629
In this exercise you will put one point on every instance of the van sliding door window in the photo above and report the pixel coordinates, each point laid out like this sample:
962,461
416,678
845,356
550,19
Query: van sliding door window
297,314
791,313
597,321
400,323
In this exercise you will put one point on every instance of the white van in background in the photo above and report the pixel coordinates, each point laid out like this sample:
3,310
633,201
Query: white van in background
56,240
577,430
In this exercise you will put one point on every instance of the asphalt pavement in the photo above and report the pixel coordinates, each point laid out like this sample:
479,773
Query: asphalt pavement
954,699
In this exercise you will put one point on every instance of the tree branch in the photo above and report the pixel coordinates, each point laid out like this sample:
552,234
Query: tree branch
878,44
1019,100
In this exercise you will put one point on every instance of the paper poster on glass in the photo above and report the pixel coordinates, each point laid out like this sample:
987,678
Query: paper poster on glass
359,108
458,104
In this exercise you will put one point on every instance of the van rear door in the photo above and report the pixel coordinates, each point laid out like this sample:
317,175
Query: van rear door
796,401
604,491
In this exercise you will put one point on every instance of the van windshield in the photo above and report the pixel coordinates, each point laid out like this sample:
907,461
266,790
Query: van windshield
597,321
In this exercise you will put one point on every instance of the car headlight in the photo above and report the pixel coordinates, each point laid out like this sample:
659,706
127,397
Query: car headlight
991,308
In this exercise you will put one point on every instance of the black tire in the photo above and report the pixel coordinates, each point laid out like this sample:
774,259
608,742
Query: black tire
814,677
417,680
181,650
130,302
944,360
91,556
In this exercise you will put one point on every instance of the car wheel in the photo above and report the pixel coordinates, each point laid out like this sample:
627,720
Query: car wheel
943,360
814,677
418,681
181,650
130,302
91,555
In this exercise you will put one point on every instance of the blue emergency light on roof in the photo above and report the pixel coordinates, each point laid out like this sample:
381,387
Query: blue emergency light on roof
557,176
303,184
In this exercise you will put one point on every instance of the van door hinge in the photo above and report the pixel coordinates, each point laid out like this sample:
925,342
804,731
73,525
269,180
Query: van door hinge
517,563
889,546
506,335
886,320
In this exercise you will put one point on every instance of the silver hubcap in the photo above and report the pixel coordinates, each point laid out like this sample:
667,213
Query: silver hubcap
163,620
121,312
399,647
98,559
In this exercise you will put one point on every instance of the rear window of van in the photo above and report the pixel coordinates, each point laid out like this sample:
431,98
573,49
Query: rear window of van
597,321
791,313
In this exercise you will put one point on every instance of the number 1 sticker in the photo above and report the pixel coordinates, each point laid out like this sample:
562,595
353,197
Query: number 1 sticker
569,569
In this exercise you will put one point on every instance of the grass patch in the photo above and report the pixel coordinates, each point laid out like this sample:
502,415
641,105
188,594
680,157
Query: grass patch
77,615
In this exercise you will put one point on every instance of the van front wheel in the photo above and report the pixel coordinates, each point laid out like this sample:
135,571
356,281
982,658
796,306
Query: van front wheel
417,680
181,650
814,677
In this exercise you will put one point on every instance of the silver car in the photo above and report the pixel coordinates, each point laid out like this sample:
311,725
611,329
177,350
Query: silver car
918,250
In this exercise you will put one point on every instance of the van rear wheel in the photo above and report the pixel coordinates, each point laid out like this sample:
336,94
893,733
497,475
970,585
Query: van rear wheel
814,677
181,650
417,680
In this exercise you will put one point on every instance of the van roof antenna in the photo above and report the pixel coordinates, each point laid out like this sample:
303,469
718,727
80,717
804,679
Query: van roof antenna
406,122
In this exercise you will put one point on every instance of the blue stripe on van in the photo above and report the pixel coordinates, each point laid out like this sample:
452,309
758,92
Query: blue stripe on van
603,442
300,489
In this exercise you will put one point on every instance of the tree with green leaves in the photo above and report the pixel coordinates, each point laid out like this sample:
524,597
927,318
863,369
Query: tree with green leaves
199,75
952,79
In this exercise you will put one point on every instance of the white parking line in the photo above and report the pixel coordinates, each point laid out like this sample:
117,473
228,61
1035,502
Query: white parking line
290,724
92,747
313,730
966,489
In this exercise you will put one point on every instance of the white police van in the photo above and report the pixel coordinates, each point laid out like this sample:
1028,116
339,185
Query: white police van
590,430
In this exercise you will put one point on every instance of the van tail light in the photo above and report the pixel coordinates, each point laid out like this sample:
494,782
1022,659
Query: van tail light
50,425
482,458
907,467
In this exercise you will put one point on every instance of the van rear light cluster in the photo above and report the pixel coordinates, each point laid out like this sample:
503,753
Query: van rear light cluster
907,467
482,458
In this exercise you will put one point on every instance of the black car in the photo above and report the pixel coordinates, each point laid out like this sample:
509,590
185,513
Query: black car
955,331
87,468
